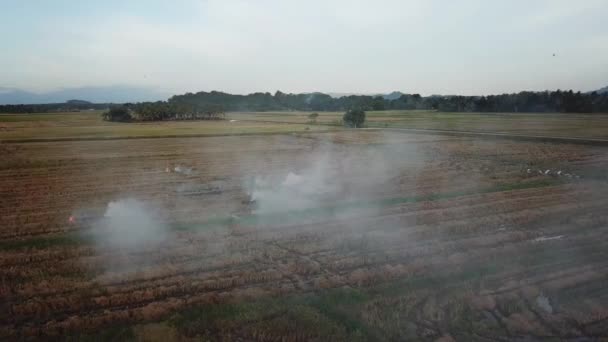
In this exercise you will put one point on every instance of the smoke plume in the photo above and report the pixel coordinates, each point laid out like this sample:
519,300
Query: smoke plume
129,224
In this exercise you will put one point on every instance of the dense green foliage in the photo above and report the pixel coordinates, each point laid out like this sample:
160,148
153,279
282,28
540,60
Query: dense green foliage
170,110
118,113
354,118
556,101
211,105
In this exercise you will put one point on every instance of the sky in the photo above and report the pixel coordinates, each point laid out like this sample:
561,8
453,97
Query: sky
469,47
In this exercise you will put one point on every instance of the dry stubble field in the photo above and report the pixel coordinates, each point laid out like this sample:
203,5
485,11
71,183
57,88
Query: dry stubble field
348,235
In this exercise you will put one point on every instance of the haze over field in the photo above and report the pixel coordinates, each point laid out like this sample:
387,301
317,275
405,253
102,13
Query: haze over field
427,47
414,170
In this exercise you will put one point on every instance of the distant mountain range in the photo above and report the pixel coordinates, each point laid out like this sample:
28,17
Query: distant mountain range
391,96
109,94
602,90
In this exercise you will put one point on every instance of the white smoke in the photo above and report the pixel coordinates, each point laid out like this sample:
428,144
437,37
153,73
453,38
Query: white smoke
295,191
334,174
131,224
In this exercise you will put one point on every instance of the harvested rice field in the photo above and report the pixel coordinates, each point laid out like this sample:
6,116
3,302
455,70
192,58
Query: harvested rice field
341,235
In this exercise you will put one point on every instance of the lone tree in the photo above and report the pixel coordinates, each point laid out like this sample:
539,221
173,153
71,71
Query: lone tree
313,117
354,118
120,114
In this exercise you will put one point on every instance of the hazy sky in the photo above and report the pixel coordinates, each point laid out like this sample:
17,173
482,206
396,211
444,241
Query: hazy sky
425,46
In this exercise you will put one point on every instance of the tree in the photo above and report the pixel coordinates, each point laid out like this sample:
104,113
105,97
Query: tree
354,118
378,103
120,114
313,117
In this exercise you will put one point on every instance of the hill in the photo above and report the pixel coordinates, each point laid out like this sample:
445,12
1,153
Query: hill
106,94
602,90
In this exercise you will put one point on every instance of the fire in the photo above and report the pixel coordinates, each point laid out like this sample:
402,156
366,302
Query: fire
71,219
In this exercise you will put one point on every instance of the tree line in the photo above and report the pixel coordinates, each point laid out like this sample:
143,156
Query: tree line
526,101
172,110
212,105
